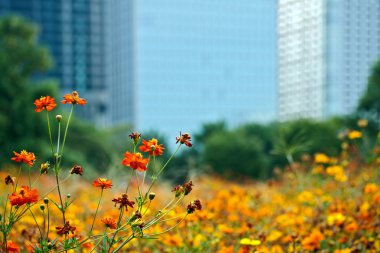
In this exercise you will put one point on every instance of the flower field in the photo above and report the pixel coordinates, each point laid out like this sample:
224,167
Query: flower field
319,204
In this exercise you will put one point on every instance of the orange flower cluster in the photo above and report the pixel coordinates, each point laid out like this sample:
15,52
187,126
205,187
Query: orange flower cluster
24,157
45,103
152,147
103,183
73,99
135,161
25,196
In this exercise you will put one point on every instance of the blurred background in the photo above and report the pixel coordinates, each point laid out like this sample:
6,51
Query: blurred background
251,80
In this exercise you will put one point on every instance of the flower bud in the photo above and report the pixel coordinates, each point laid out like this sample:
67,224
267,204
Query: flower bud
152,195
42,207
58,117
68,195
46,201
135,136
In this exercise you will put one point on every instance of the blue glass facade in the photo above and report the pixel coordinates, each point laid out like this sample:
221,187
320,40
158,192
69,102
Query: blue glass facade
201,61
73,30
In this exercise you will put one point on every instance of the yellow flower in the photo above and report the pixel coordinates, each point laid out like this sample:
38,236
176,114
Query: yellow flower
250,242
321,158
362,123
354,135
335,219
306,197
370,188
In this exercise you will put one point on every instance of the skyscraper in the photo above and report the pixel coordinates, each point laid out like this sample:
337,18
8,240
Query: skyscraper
325,53
73,30
202,61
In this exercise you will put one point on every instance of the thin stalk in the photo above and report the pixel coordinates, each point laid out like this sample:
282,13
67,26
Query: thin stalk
38,226
17,179
118,224
125,242
169,229
30,183
48,221
67,127
50,137
96,212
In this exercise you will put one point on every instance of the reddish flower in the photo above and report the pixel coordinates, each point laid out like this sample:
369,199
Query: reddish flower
152,147
135,161
135,136
194,205
184,139
109,222
77,170
74,99
103,183
25,196
45,103
123,201
186,188
66,229
12,247
24,157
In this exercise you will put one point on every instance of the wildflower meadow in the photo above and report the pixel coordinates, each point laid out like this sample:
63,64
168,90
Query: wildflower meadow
320,204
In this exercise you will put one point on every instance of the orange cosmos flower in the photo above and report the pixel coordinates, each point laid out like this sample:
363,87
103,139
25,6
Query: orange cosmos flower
109,222
45,103
12,247
135,161
25,196
152,147
65,229
103,183
74,99
24,157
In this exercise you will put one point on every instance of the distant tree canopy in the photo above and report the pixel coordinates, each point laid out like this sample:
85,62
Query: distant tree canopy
370,102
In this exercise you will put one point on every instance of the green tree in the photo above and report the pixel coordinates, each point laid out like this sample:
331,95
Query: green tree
20,58
370,101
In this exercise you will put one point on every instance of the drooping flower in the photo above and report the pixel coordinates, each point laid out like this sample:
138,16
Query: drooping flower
10,180
135,136
184,139
66,229
25,196
123,201
186,188
12,247
152,147
24,157
76,169
103,183
109,222
74,99
45,103
135,161
194,205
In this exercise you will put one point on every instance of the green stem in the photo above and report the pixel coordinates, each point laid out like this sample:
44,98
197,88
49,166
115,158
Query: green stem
169,229
48,221
67,127
17,179
50,136
96,212
38,226
125,242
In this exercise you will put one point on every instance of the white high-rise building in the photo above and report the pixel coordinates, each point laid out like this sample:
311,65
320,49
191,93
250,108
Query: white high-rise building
325,52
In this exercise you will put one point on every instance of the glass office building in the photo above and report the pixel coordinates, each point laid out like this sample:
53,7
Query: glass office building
203,61
73,30
325,52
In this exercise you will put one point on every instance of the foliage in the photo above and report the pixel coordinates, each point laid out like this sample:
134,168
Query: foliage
370,101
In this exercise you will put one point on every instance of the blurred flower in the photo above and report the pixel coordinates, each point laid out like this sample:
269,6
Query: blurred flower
337,172
152,147
335,219
362,123
45,103
194,205
250,242
109,222
12,247
76,169
321,158
66,229
135,136
25,196
312,242
74,99
24,157
354,135
135,161
10,180
184,139
123,201
103,183
371,188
